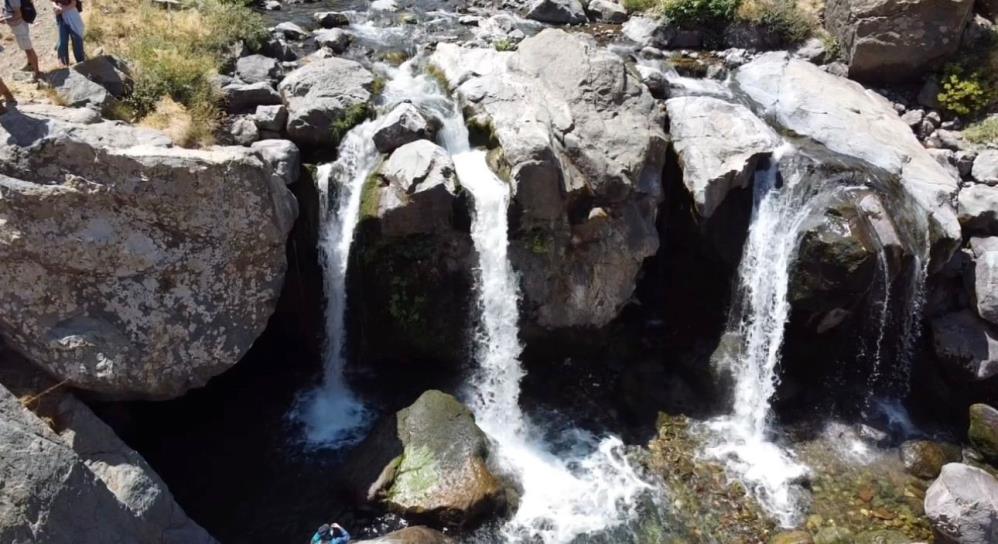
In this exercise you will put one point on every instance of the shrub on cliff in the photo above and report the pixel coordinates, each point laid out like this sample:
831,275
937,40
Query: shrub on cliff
700,13
785,18
174,54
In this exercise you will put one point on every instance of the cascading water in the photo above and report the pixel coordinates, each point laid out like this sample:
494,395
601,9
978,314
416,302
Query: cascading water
330,413
757,321
586,488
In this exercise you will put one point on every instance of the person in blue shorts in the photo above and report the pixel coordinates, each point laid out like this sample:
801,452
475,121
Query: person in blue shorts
331,534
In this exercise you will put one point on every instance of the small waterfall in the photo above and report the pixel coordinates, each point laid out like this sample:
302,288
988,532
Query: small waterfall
884,314
585,487
757,320
331,414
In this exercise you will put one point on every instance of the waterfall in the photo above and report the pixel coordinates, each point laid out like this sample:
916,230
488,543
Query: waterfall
331,414
757,320
585,487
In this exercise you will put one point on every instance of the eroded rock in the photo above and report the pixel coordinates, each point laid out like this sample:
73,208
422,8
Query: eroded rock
962,505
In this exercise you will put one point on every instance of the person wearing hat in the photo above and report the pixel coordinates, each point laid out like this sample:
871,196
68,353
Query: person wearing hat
331,533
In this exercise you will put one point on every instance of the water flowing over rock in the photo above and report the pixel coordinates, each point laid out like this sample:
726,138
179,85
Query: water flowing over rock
892,40
719,145
135,272
962,505
572,128
429,462
84,486
862,129
322,93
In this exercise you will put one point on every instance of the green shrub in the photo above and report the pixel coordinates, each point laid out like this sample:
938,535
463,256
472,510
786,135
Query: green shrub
504,44
633,6
964,92
783,17
355,115
984,132
700,13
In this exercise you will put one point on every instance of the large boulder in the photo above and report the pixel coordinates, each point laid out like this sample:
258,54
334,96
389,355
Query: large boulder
606,11
985,169
402,125
983,431
863,130
719,145
978,205
243,97
892,40
94,83
982,277
428,463
414,259
324,97
582,143
962,505
135,271
80,488
258,69
966,345
557,12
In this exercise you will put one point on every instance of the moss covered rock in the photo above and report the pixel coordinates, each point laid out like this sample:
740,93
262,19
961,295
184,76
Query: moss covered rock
983,432
428,463
925,458
834,535
792,537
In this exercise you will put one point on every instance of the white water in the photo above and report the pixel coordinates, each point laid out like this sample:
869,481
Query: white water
589,485
758,318
331,414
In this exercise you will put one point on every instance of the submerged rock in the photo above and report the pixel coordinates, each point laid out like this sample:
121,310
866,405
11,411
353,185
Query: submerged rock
135,272
792,537
892,40
581,142
324,95
924,458
719,145
983,431
834,535
429,463
962,505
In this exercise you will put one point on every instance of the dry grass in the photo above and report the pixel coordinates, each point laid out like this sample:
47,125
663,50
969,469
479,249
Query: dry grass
174,54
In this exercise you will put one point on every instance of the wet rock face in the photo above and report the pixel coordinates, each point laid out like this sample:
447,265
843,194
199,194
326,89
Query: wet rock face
582,143
891,41
860,128
412,535
135,272
966,346
962,505
428,463
56,487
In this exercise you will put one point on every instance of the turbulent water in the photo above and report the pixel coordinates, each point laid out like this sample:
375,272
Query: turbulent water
331,414
584,486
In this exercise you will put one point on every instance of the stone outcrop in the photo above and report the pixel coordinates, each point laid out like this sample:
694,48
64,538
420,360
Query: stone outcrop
133,269
862,129
978,205
606,11
95,83
429,463
981,278
962,505
83,486
893,40
582,143
243,97
719,145
257,69
414,257
323,94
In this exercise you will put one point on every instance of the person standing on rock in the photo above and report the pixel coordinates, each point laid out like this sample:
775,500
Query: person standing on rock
18,14
331,534
70,23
